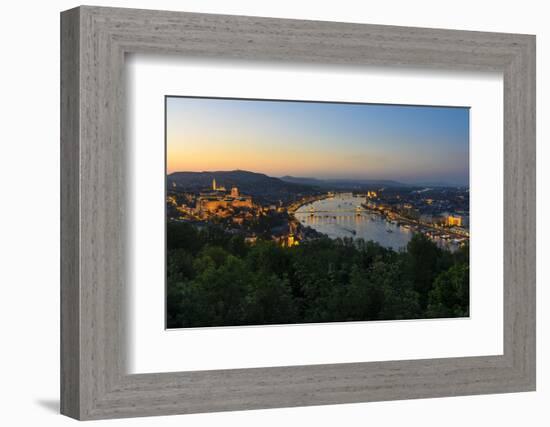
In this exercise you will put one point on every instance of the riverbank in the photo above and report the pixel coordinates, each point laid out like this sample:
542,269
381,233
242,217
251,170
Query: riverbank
435,233
336,216
292,208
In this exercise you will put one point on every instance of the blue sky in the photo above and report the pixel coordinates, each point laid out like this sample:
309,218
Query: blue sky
411,144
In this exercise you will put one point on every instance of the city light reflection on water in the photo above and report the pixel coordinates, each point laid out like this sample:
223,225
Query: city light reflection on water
342,216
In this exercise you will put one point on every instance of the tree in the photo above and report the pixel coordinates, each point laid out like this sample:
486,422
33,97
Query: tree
423,257
450,296
364,299
180,235
269,258
220,293
401,301
214,279
179,265
269,301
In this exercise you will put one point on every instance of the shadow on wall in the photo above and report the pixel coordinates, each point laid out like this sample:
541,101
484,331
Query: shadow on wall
51,405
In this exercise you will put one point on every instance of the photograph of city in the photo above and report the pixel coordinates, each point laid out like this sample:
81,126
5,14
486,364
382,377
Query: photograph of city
286,212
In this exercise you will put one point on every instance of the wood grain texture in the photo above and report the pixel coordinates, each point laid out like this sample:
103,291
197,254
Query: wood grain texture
95,40
70,314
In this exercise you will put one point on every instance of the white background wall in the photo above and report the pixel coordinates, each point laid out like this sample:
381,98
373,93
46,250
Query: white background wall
29,213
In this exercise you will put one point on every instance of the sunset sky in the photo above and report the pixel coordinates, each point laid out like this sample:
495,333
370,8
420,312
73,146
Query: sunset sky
323,140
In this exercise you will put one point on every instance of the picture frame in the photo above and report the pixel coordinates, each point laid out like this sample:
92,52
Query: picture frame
94,381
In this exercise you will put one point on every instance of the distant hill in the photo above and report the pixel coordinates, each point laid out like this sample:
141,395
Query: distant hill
438,184
341,184
304,181
258,185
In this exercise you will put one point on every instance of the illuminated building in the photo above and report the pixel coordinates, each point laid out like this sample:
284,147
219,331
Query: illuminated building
241,202
172,200
291,240
453,221
371,195
370,204
215,186
250,240
212,202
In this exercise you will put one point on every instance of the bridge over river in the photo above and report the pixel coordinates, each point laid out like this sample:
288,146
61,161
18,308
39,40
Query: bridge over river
343,216
300,205
358,210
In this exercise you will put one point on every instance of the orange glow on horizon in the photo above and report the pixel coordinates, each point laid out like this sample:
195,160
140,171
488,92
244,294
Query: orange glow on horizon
317,140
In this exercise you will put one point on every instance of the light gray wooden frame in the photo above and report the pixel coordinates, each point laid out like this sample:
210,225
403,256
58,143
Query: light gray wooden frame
94,41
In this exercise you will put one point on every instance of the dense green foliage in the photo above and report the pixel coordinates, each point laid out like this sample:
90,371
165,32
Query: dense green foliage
215,279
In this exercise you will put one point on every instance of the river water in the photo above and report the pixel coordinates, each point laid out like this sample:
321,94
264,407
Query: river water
337,217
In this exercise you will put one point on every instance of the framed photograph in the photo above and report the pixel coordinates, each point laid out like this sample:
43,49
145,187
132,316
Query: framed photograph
262,213
307,212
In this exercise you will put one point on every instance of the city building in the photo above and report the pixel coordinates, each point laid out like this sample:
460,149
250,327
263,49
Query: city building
215,187
454,221
219,200
291,241
171,200
251,240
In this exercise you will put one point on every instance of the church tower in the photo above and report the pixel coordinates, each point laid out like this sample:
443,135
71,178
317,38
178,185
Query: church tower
214,184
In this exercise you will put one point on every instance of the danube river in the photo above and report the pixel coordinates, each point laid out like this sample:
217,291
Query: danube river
342,216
